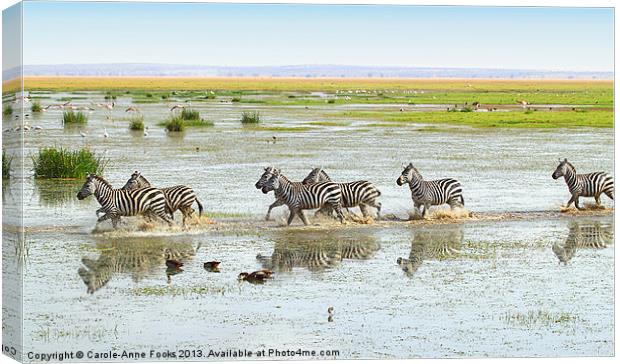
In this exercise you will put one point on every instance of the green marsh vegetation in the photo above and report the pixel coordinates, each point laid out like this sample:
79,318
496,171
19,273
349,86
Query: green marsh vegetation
250,117
510,119
51,162
136,122
7,110
187,118
36,106
72,117
7,160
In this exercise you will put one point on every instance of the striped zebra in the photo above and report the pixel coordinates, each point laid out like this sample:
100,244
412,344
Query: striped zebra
115,203
359,193
299,197
430,193
584,185
583,236
432,244
177,197
279,199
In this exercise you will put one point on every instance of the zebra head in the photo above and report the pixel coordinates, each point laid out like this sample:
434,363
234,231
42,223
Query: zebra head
264,178
561,169
135,181
273,183
89,187
315,176
407,175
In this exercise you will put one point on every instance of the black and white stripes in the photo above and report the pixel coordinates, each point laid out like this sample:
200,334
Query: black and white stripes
584,185
430,193
298,196
177,197
115,203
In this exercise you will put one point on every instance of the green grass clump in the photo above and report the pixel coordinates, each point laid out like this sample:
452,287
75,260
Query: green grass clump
71,117
175,123
190,114
236,99
250,117
35,107
8,110
6,164
54,162
136,123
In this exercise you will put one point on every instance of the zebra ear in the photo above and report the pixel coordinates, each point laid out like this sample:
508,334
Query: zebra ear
565,160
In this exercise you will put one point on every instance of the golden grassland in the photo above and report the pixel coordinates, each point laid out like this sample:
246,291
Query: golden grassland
276,84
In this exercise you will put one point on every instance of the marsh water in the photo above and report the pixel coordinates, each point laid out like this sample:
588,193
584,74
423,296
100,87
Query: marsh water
526,287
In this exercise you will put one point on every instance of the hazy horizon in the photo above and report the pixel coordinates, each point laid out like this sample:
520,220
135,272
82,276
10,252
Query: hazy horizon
273,35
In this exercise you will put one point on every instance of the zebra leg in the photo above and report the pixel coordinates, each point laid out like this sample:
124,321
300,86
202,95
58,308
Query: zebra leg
291,216
104,217
303,217
340,214
115,220
275,204
597,198
364,210
577,204
572,199
425,213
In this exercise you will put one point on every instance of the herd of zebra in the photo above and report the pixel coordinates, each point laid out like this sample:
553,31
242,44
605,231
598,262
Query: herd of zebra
316,191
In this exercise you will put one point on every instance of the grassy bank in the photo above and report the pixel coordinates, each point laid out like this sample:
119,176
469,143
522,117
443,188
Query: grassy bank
515,119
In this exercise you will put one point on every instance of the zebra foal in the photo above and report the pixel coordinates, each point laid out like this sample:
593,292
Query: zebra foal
117,202
430,193
299,197
584,185
177,197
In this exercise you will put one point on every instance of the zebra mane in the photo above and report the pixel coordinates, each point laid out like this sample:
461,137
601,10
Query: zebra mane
102,180
570,166
143,179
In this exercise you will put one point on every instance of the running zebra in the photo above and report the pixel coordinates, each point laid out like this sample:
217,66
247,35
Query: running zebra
115,203
279,200
584,185
430,193
177,197
299,197
358,193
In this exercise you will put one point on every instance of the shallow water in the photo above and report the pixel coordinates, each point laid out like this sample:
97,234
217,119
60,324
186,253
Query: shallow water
540,287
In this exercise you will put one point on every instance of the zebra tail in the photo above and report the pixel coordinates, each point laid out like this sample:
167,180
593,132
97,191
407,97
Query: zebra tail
462,200
199,207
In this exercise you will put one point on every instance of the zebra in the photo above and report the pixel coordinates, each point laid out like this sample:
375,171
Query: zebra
279,200
117,202
592,235
299,197
177,197
585,185
358,193
429,193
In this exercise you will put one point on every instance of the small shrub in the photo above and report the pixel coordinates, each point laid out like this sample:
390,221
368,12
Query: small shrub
136,123
250,117
64,163
110,97
71,117
8,110
175,123
6,164
467,109
35,107
331,101
149,95
291,96
190,114
236,99
165,97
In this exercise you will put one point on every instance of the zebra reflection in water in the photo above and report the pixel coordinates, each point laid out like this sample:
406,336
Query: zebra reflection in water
317,254
137,258
432,244
583,235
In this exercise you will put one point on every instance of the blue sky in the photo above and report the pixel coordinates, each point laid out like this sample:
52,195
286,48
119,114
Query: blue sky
576,39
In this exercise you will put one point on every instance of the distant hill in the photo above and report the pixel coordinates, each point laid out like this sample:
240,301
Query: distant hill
145,69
